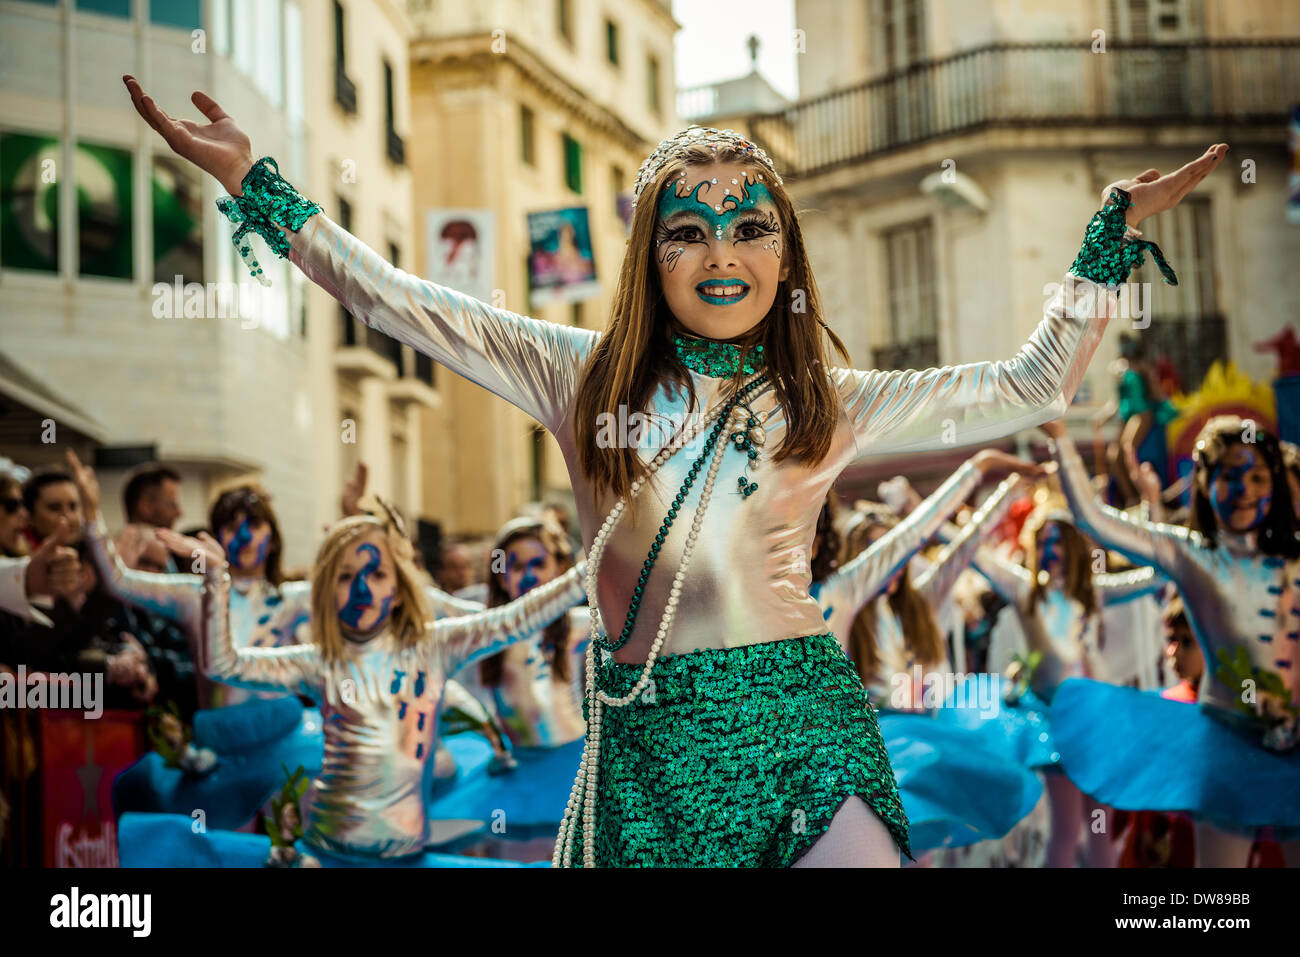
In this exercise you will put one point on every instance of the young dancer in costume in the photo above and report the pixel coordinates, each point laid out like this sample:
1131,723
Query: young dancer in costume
717,327
955,790
1058,601
1232,761
536,691
377,664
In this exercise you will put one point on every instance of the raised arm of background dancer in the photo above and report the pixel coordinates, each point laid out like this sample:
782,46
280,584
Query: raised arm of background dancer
296,669
446,605
1116,588
865,576
465,640
1142,543
176,596
936,582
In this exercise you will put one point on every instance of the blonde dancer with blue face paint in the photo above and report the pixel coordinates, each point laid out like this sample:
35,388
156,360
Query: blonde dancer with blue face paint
716,328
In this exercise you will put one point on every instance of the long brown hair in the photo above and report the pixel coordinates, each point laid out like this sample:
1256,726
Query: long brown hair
253,502
555,637
921,635
634,355
1077,554
411,615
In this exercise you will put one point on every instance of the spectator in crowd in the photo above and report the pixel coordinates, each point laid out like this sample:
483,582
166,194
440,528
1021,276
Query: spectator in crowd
13,517
152,495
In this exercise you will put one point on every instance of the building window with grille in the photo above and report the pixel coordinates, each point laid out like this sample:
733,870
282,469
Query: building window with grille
913,305
345,91
1187,324
572,163
393,143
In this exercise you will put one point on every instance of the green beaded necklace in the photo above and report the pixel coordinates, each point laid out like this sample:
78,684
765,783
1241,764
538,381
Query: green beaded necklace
717,359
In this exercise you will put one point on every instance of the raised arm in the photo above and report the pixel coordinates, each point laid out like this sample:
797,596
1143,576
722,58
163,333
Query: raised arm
865,576
177,596
296,669
529,363
449,606
1116,588
463,641
911,411
1142,543
936,581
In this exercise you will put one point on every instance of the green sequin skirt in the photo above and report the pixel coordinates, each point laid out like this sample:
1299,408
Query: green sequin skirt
737,757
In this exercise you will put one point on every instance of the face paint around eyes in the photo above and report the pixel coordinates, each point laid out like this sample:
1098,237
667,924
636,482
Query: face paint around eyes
243,535
530,577
360,597
728,218
1233,476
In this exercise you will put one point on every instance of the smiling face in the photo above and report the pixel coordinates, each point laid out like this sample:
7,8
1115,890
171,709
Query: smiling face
718,247
527,565
246,542
1242,489
365,591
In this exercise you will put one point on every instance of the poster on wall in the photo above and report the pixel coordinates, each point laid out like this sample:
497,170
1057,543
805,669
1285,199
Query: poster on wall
560,264
461,246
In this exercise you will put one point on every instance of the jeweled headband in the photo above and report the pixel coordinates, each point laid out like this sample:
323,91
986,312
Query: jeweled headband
673,147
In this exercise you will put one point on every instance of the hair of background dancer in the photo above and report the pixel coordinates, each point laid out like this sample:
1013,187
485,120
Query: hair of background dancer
555,637
141,479
38,481
827,542
1276,534
252,502
1076,561
921,635
1291,459
411,616
635,354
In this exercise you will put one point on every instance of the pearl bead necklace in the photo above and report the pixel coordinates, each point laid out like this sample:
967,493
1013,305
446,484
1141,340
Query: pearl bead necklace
582,799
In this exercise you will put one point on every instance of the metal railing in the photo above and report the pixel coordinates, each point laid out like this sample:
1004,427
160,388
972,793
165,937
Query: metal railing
1010,84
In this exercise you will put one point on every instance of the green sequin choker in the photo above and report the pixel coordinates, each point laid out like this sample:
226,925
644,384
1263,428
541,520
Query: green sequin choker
721,360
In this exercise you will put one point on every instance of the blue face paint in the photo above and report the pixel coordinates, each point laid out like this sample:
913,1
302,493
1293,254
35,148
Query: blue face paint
243,536
1234,478
747,213
1051,547
360,597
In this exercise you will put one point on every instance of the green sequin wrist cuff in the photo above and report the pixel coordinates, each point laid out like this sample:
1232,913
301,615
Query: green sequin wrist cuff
1106,257
269,201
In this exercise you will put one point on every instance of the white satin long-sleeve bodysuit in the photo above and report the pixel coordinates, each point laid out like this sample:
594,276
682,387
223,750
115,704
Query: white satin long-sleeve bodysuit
749,579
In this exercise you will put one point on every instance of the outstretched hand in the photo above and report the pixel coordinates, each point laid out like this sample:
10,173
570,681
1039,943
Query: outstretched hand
220,148
83,476
214,556
1152,193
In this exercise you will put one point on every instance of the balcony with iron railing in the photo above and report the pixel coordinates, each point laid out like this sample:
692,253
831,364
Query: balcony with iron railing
1035,84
